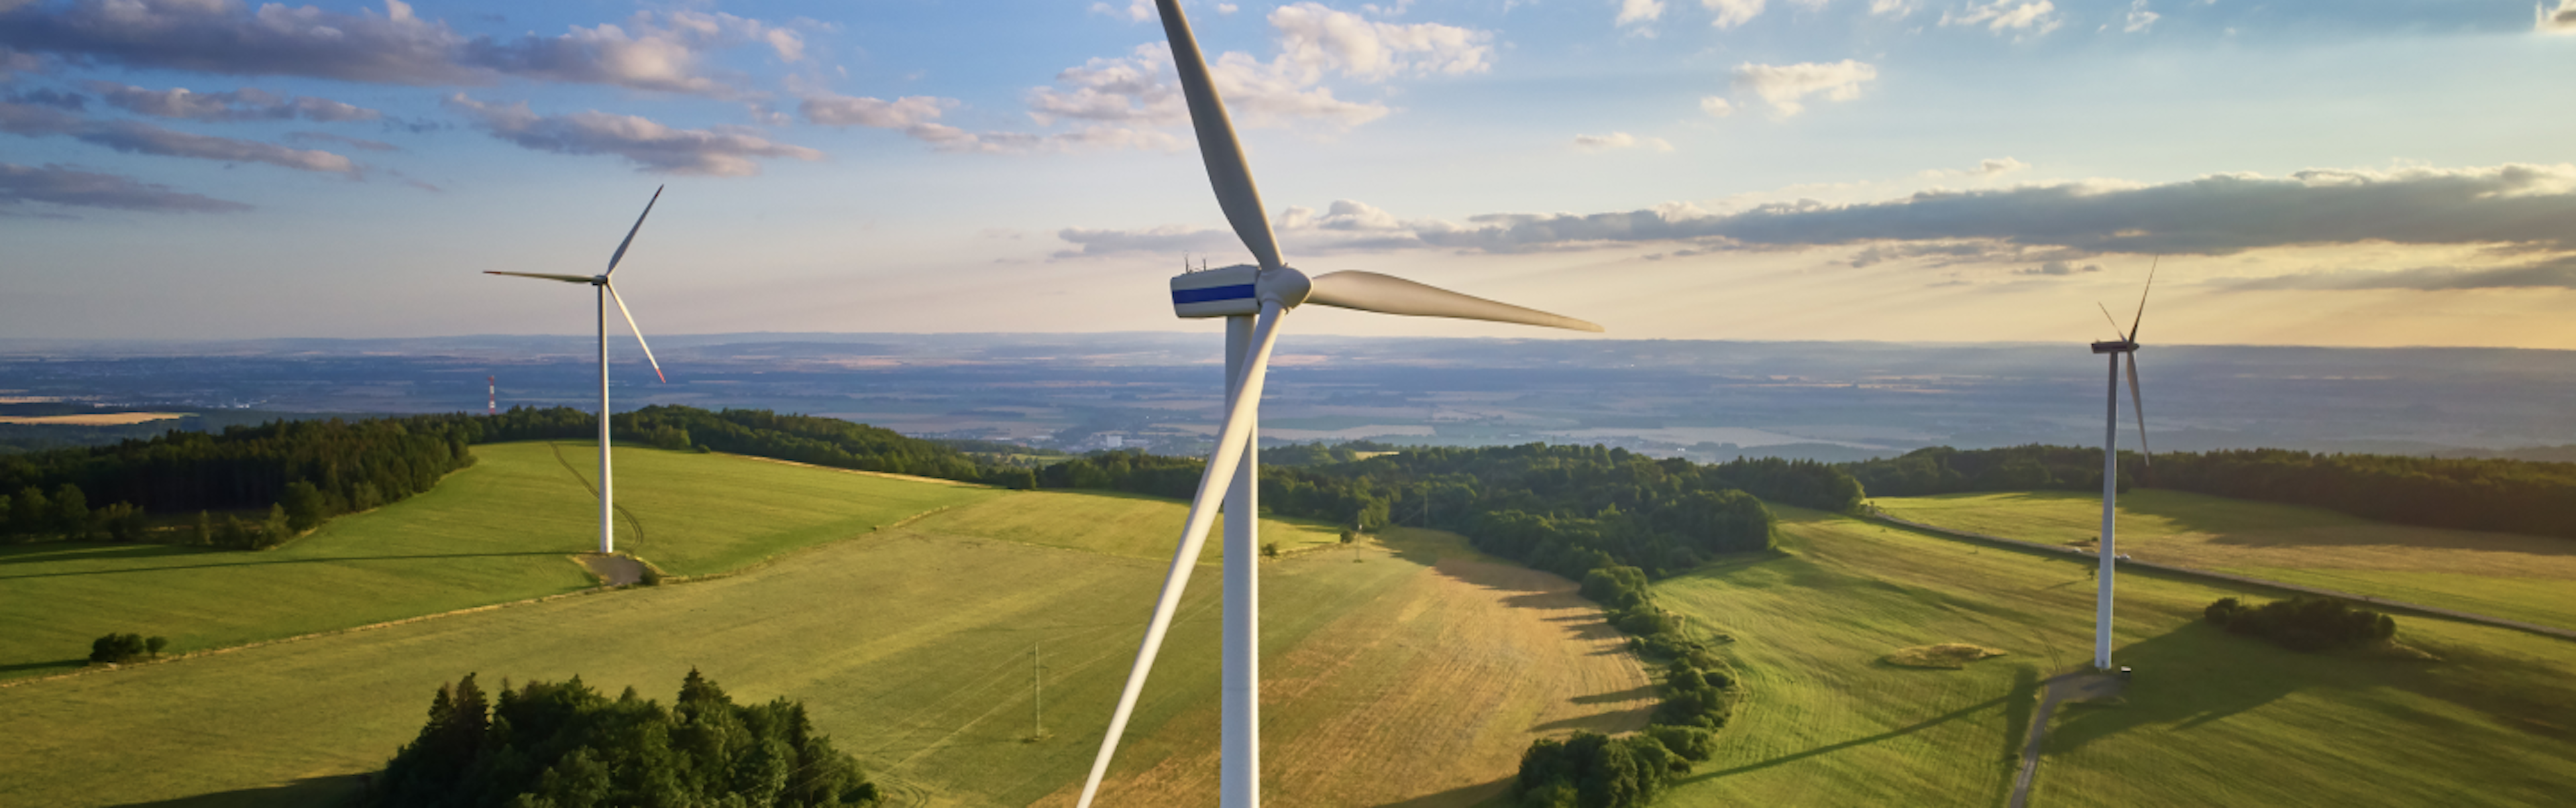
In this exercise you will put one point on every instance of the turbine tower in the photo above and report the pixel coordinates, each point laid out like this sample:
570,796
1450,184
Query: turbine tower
1252,298
607,294
2123,346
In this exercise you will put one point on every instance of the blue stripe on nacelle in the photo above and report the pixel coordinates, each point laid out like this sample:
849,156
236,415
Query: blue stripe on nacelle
1180,296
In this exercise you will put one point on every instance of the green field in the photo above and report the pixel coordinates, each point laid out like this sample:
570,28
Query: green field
1412,671
2212,719
499,531
2517,577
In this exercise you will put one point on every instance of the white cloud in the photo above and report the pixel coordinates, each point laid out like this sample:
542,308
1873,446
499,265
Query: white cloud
842,110
1785,86
1639,12
2562,21
1989,167
1619,140
1890,8
1317,39
649,145
58,185
1136,10
28,120
652,51
2140,19
1716,106
2031,18
1731,13
240,105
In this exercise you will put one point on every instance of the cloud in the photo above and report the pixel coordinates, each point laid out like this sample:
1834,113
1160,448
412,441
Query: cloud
650,146
2140,19
1989,167
2526,206
1783,86
13,62
57,185
246,104
842,110
140,138
351,142
2562,21
1731,13
659,52
45,97
1318,39
1716,106
1890,8
1140,89
2058,268
1619,140
2554,273
1136,10
2031,19
1639,12
917,117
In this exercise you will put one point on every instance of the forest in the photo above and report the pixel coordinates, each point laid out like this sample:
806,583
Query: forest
2517,496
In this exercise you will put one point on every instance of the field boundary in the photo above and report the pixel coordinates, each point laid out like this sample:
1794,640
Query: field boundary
2229,577
861,472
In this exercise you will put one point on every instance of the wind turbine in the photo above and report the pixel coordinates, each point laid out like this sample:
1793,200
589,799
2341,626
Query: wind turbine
608,293
1252,298
2123,346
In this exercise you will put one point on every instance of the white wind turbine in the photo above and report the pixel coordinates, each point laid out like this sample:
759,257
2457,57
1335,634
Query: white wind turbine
2124,346
1252,298
608,294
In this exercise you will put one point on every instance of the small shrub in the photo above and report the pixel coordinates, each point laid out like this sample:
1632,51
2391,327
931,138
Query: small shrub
1270,549
118,648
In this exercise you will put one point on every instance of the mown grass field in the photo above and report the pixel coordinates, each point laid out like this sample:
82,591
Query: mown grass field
1407,670
2518,577
499,531
2211,719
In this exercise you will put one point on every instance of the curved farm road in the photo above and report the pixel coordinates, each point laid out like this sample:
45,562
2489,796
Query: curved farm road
1425,696
2081,686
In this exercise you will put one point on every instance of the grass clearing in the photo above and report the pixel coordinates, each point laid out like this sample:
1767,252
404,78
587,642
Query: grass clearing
498,531
2514,576
1109,522
2211,719
911,648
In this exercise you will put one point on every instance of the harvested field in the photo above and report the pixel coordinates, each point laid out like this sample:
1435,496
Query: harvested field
94,419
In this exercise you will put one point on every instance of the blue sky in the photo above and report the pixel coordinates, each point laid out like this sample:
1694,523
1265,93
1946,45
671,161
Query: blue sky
2369,173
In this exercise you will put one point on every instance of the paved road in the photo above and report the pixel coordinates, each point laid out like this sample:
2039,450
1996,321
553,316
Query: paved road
2383,603
2080,685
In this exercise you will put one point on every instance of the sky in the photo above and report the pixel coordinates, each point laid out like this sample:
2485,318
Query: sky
2369,173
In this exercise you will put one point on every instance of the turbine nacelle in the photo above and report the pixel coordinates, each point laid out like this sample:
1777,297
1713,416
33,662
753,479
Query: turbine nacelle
1237,290
2115,346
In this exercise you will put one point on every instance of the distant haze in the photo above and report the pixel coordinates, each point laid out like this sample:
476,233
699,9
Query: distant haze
1704,399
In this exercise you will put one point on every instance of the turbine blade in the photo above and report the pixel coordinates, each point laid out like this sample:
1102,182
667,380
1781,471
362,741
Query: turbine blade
1227,171
2106,315
2142,302
1230,441
2138,404
564,278
639,330
630,232
1387,294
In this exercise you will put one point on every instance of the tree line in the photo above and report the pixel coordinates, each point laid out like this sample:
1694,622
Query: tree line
2517,496
564,745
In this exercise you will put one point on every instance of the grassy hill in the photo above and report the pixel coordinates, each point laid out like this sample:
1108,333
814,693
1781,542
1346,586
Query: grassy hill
2528,578
1406,670
499,531
2211,719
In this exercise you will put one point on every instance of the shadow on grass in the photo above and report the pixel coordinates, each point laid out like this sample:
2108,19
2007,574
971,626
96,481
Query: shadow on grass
65,664
2020,705
93,551
284,561
1630,694
1827,749
1609,723
316,792
1461,797
2193,675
